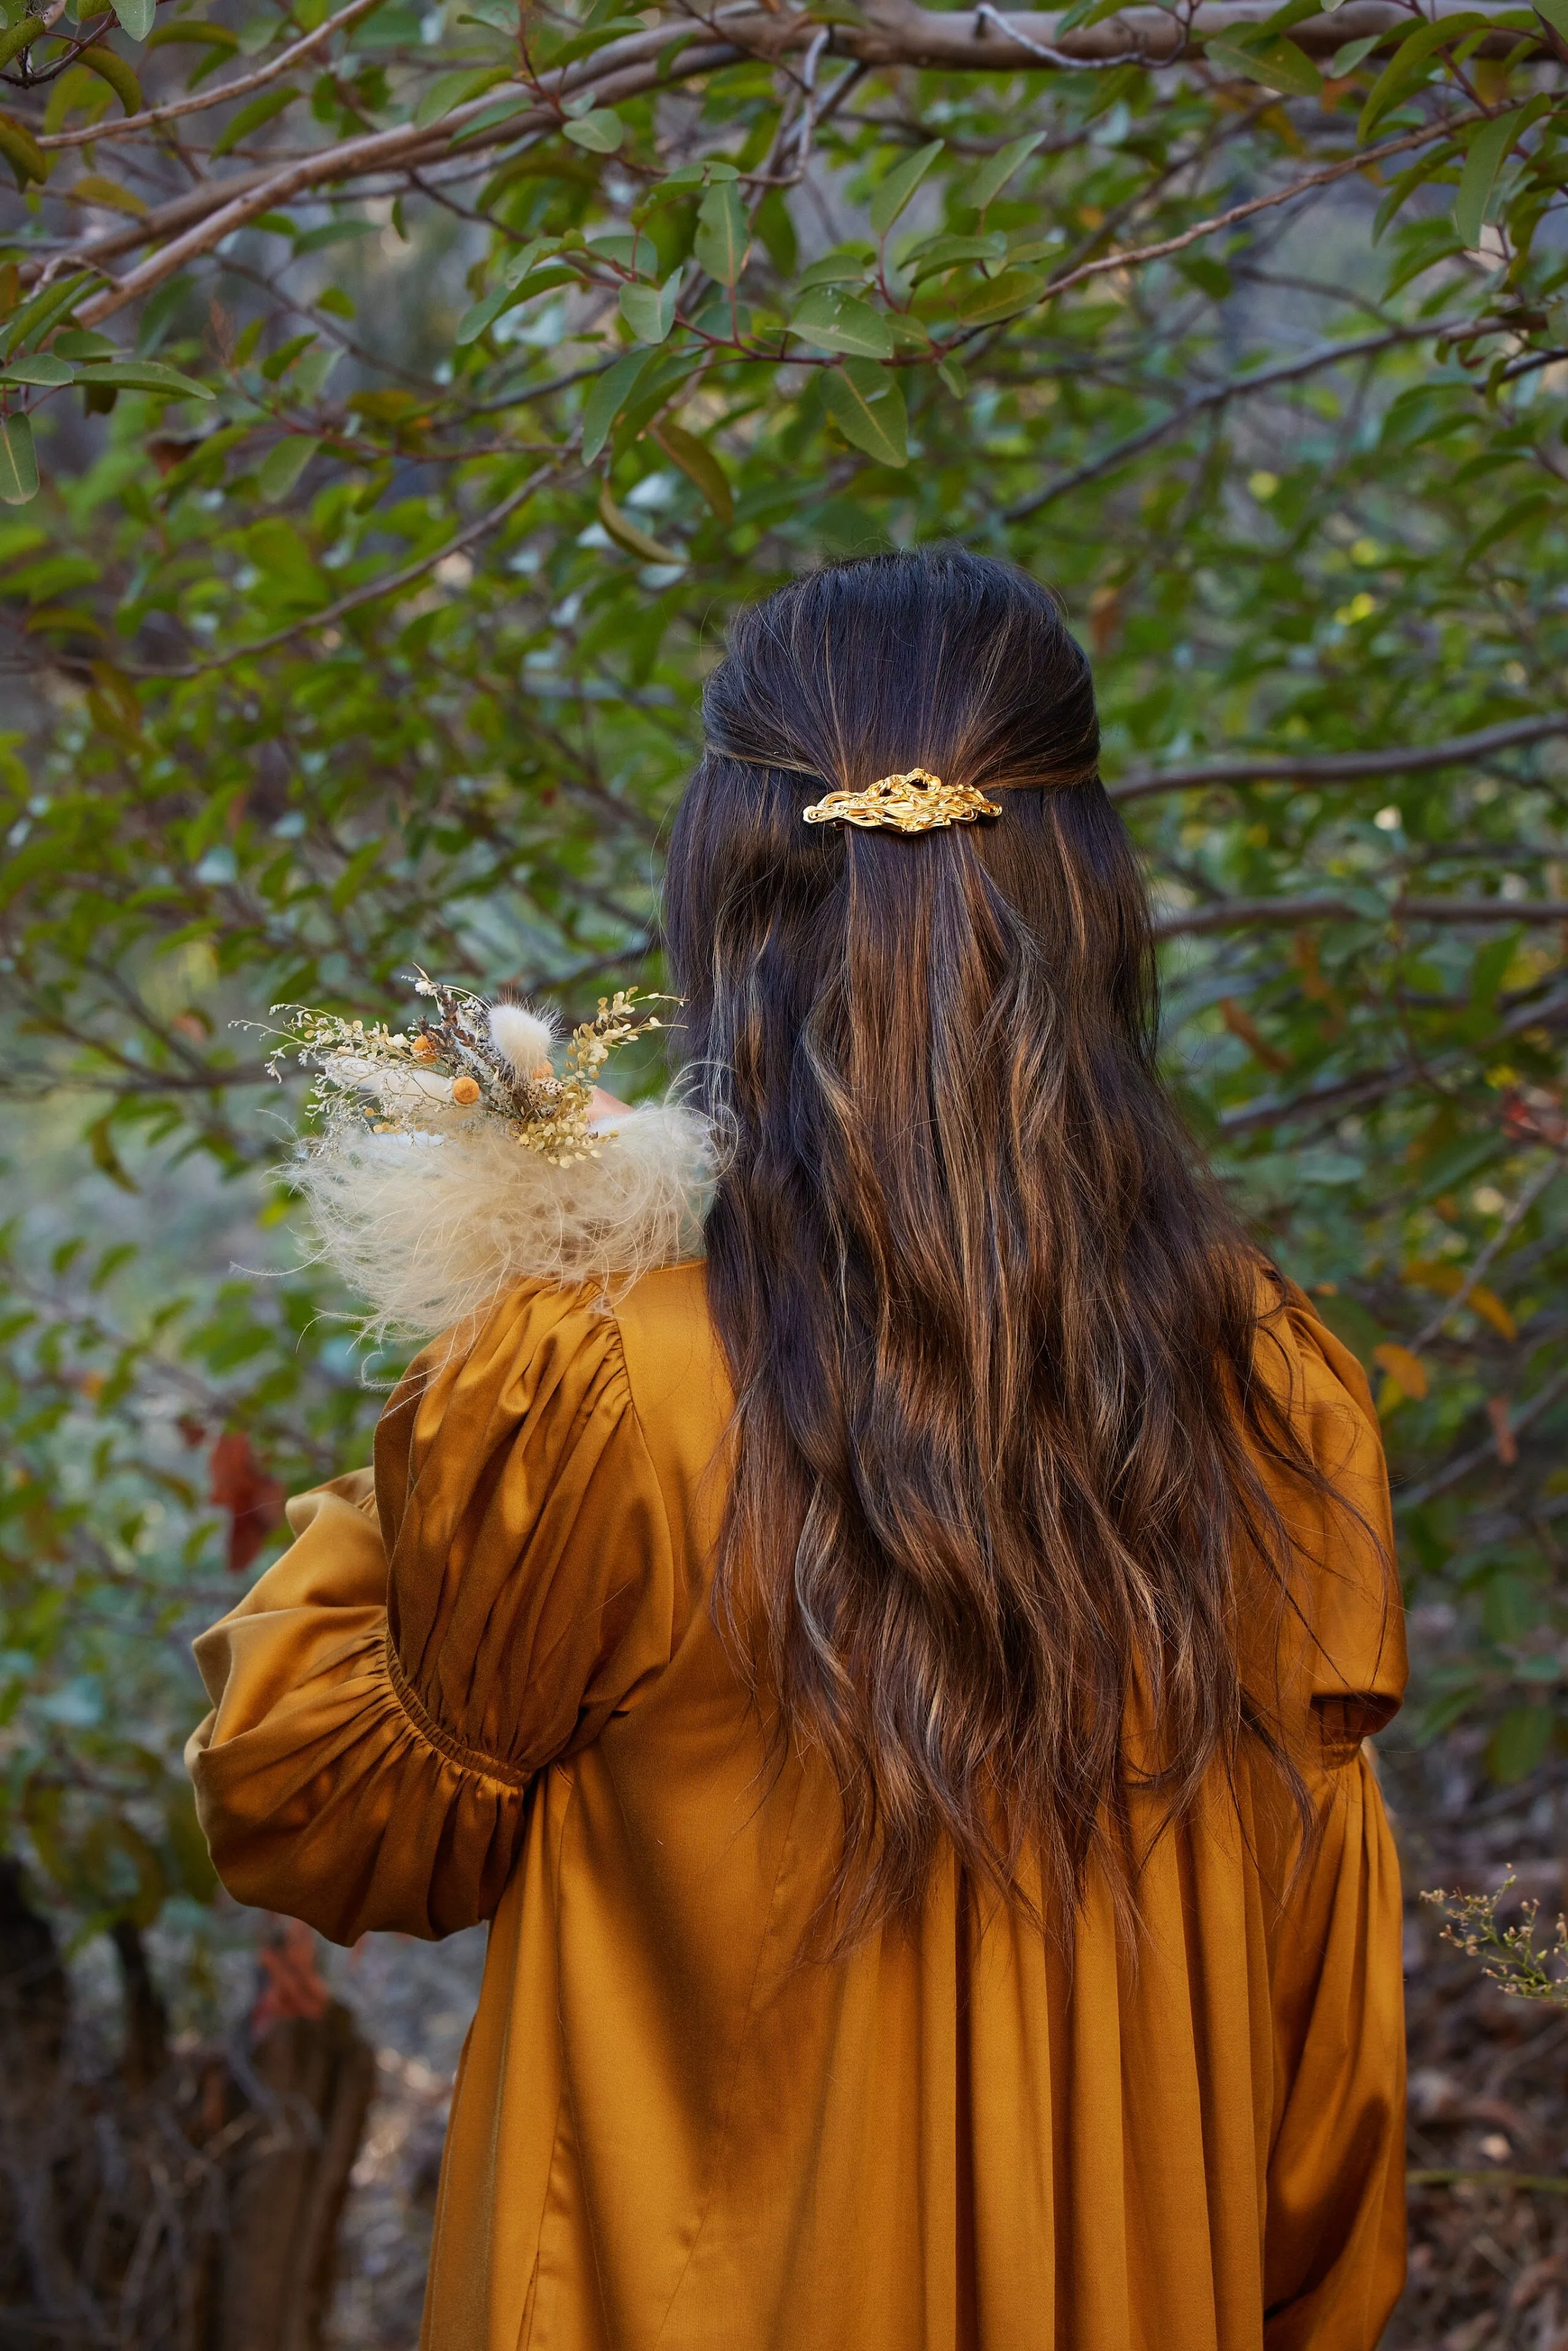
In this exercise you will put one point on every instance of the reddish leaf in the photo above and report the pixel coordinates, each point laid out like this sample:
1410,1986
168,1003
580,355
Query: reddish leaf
1502,1435
253,1500
1535,1114
292,1984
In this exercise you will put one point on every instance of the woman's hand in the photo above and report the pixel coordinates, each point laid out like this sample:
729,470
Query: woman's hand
603,1106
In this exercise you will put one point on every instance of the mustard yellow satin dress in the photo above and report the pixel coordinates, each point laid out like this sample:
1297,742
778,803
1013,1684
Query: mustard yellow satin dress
484,1684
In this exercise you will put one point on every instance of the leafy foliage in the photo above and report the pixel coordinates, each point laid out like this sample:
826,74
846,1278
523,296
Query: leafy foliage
426,386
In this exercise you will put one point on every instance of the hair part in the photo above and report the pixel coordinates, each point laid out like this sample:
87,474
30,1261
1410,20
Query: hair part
991,1329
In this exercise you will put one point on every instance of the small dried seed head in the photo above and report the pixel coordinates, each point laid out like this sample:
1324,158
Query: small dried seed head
522,1038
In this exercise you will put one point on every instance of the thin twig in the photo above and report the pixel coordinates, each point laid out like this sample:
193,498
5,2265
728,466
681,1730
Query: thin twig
1130,256
1288,371
373,589
1322,1104
1049,56
101,133
1529,2183
1454,1471
1498,1241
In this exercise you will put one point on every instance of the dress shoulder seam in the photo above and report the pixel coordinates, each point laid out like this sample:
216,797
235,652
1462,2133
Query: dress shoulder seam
468,1759
613,1316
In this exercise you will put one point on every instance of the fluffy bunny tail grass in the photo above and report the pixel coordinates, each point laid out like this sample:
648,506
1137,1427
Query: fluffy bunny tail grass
427,1230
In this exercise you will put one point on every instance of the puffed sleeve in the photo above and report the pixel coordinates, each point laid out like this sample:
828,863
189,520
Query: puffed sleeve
1342,1644
384,1697
1334,2232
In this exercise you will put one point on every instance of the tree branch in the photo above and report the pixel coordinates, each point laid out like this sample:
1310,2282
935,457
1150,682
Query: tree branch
1360,1093
1341,767
1493,1249
1129,256
1454,1471
370,594
1286,914
900,32
1288,371
100,134
211,211
927,36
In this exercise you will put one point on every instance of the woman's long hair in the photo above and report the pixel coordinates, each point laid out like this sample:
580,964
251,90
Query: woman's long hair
991,1330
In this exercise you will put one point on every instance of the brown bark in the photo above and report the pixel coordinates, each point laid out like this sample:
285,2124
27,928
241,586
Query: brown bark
146,2018
290,2179
172,2203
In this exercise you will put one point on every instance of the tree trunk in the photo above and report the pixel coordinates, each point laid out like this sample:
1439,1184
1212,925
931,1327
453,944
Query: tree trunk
290,2180
176,2203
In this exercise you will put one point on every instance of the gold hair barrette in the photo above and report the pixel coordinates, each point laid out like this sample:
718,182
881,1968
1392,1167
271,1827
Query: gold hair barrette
916,801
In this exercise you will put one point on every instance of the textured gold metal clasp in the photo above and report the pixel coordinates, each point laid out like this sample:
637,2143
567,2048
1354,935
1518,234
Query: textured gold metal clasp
916,801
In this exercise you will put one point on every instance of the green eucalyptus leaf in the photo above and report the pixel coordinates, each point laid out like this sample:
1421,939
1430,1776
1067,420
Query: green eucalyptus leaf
18,463
111,68
38,367
605,401
650,310
978,304
937,255
723,234
848,265
997,169
1277,64
1413,62
600,130
143,375
21,152
894,192
628,536
1346,58
841,323
867,406
16,37
1488,151
253,116
284,463
700,465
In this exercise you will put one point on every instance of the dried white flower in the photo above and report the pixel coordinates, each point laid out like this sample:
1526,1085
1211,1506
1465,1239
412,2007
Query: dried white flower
523,1037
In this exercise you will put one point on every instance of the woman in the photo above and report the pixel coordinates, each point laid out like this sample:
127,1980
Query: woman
896,1687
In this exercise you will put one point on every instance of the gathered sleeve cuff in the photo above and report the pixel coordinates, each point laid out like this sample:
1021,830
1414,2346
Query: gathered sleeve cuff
384,1696
323,1788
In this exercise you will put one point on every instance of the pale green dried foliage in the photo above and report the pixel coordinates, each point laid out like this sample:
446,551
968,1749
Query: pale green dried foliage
1510,1955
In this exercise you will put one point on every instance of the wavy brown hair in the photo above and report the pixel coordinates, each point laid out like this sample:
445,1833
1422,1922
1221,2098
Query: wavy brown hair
990,1327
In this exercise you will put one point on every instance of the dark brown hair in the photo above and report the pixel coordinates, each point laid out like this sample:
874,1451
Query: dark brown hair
991,1330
